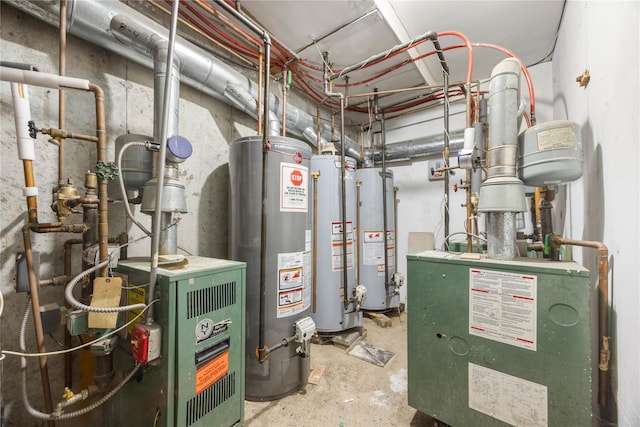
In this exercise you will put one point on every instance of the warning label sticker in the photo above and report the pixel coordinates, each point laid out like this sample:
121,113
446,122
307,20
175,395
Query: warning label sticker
503,307
337,243
373,249
211,372
293,188
293,283
513,400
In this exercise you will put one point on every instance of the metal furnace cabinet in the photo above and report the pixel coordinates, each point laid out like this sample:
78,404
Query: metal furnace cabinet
199,378
494,343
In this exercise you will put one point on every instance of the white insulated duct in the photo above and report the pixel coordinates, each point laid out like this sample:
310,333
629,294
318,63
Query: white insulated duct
112,25
502,193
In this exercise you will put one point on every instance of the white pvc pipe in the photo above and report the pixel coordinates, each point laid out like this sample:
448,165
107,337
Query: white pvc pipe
35,78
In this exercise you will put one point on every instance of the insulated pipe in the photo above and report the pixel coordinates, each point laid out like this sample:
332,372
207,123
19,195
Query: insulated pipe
603,308
26,146
155,237
343,186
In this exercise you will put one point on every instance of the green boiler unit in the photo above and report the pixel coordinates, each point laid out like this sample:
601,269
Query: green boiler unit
198,380
496,343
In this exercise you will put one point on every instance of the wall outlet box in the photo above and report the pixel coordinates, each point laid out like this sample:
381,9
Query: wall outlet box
433,166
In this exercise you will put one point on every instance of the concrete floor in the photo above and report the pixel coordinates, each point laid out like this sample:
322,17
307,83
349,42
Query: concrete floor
352,392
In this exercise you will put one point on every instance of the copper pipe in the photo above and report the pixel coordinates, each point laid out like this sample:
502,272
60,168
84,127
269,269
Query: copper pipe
315,235
603,309
37,320
357,236
60,134
32,201
62,65
103,208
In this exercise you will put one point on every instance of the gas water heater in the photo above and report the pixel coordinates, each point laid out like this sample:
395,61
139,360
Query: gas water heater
286,247
329,312
375,243
198,378
494,343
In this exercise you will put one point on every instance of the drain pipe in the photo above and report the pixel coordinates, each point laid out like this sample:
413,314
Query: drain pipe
343,186
502,193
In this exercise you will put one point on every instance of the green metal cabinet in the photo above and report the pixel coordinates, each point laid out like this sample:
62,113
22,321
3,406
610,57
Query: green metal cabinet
199,378
494,343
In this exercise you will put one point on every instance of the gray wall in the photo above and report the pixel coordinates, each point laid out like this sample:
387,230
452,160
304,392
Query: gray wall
209,124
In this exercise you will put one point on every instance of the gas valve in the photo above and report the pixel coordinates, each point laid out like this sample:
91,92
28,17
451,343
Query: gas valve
360,295
305,328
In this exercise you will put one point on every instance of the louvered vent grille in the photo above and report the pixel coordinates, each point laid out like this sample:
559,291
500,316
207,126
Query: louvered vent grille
209,299
211,398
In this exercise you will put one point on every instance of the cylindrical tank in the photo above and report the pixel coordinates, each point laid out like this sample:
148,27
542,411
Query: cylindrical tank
330,314
371,240
288,256
137,162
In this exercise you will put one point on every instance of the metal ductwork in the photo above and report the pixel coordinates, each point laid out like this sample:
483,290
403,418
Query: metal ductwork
502,193
115,26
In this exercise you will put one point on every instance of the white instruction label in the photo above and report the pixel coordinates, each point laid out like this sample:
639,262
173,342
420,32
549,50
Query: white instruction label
293,283
293,187
513,400
503,307
373,249
336,245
